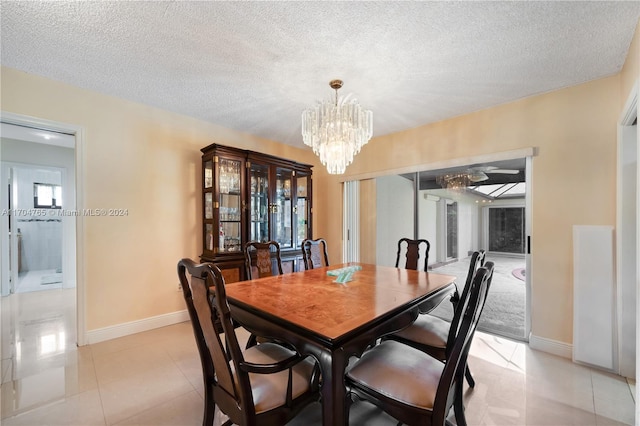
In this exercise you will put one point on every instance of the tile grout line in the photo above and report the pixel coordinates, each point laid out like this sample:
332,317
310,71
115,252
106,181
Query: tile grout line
593,399
95,373
626,379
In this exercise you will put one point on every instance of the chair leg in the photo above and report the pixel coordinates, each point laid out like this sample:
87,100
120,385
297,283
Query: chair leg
467,375
209,406
458,404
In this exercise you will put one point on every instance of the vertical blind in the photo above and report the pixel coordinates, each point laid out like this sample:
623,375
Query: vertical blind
351,225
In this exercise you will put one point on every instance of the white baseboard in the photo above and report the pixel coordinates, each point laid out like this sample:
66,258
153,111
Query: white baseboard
554,347
125,329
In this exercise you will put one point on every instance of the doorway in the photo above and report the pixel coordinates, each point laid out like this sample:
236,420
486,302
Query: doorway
460,210
48,152
35,228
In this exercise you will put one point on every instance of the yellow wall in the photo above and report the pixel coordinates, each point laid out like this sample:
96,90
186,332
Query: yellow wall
145,160
573,181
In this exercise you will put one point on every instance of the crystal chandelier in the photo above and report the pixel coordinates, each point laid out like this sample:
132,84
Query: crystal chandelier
457,182
337,130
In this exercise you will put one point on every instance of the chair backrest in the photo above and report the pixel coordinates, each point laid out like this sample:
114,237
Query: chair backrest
220,353
477,261
453,373
262,259
314,253
412,250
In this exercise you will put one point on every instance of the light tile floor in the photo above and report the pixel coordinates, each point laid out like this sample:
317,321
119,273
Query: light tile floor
154,378
47,279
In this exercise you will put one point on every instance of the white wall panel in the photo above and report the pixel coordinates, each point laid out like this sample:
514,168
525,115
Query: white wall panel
593,296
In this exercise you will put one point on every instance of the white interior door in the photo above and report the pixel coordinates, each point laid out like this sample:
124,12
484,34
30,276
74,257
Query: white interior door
14,246
8,240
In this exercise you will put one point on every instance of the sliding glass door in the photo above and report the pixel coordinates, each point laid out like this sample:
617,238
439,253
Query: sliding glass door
489,214
452,230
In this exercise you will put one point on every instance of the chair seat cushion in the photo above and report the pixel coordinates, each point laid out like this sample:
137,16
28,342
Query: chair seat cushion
270,390
427,330
399,372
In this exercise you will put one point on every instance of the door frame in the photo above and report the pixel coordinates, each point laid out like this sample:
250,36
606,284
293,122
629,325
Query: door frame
527,153
624,365
78,133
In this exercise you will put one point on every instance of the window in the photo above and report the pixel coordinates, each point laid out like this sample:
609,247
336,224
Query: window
506,190
506,229
452,229
47,196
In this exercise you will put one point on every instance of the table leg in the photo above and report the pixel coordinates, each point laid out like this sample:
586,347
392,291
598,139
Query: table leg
334,407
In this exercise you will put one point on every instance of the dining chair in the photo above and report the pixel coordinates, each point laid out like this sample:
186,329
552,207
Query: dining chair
433,335
262,259
314,253
411,249
412,386
266,384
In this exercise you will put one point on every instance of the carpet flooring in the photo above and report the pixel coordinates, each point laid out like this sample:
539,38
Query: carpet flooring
504,312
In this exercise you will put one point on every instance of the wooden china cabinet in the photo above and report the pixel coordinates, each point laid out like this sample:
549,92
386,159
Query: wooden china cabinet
249,196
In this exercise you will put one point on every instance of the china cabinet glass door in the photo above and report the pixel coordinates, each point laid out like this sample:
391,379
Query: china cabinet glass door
229,206
259,204
282,208
301,209
209,236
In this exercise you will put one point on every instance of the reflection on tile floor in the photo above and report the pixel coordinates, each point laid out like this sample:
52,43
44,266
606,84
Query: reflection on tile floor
154,378
47,279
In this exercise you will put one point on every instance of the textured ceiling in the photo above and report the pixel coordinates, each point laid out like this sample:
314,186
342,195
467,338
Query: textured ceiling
254,66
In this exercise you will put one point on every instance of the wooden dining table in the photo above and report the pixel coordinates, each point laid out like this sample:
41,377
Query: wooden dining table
332,321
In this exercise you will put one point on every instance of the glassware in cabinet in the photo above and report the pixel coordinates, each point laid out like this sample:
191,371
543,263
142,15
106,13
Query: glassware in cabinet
208,174
229,205
282,208
301,209
259,202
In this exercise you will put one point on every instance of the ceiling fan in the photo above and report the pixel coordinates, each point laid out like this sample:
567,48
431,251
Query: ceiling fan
480,173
